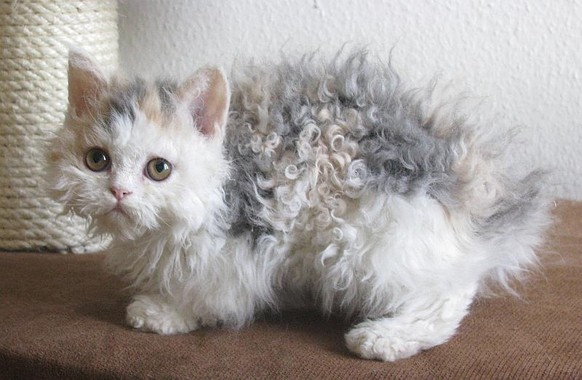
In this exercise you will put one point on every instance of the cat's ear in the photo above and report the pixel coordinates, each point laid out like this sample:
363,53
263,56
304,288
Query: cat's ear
86,82
207,95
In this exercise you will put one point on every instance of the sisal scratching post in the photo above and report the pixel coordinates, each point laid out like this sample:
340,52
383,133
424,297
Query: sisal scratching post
35,36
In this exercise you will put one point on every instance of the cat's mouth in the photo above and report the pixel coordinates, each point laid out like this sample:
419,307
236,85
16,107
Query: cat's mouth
117,210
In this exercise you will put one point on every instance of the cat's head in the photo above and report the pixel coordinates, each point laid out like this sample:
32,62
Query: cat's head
135,156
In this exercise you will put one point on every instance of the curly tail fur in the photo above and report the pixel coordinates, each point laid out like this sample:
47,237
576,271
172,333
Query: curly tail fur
514,229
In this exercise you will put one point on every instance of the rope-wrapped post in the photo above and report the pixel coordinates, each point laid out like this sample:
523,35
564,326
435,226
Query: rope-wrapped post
35,36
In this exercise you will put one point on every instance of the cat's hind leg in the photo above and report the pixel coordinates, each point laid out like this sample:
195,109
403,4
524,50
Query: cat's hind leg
426,321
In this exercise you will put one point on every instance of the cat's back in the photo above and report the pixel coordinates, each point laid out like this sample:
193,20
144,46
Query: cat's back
306,134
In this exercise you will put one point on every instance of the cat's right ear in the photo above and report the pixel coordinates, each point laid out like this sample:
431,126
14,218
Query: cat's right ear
207,96
86,82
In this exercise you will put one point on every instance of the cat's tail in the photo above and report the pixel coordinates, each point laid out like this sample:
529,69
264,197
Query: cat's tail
513,229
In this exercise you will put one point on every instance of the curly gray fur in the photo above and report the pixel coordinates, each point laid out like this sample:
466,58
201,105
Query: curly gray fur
405,148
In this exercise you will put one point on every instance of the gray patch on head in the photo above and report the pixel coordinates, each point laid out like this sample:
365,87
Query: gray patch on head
122,102
166,90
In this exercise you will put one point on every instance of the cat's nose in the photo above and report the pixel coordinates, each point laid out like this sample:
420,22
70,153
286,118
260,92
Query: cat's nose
120,193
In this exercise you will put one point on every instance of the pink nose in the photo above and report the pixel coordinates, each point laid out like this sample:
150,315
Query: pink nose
119,193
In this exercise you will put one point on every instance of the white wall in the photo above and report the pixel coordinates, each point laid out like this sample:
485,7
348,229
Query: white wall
523,57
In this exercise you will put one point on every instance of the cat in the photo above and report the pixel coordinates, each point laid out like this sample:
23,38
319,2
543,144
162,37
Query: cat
303,183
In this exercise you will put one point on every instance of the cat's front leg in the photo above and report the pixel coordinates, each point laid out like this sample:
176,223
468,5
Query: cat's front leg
424,322
156,314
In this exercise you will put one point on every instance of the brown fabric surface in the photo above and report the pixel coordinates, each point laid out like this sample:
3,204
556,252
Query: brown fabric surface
62,316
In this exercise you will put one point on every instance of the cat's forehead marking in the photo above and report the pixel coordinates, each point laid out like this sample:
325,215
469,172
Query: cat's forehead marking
158,105
166,90
154,100
122,101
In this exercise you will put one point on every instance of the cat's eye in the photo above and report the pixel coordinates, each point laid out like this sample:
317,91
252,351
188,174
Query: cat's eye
158,169
97,159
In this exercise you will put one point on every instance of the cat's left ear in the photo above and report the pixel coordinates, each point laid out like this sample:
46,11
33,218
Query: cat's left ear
207,96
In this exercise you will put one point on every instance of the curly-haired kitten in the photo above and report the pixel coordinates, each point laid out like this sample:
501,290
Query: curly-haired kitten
299,184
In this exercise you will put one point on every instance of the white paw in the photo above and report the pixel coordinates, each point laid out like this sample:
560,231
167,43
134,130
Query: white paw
370,341
146,314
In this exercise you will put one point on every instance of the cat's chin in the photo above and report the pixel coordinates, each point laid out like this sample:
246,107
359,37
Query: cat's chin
118,215
117,210
119,223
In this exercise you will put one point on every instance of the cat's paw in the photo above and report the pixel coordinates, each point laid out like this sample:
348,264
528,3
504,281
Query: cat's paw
147,314
370,341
